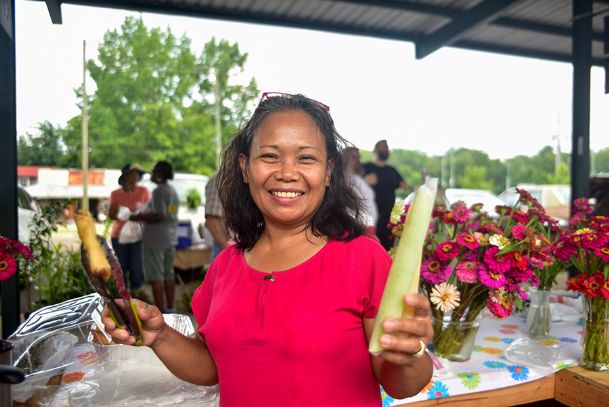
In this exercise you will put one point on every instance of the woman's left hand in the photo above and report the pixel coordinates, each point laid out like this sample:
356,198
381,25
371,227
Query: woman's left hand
404,338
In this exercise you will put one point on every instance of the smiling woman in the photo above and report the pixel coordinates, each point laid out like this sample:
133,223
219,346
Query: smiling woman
296,297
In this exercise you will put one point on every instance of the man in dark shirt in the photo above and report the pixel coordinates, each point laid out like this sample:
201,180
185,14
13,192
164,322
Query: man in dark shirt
384,179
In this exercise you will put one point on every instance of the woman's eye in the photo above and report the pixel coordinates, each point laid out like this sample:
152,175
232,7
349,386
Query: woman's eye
268,157
308,158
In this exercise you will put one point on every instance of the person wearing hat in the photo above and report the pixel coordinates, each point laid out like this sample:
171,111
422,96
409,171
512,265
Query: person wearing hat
124,201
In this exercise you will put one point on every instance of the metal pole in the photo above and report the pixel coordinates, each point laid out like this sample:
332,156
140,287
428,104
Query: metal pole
85,131
582,57
218,120
11,315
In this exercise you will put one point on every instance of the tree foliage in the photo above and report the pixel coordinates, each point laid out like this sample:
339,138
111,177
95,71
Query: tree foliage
153,100
48,147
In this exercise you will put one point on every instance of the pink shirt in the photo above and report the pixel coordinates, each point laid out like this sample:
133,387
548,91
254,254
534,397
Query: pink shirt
120,197
294,337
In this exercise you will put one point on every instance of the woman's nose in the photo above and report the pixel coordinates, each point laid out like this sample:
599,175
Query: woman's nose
287,172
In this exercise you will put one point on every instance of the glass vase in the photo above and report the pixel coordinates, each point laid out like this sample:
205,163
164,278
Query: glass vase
538,317
454,338
595,340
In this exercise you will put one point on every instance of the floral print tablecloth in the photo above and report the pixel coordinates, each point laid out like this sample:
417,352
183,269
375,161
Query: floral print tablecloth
490,368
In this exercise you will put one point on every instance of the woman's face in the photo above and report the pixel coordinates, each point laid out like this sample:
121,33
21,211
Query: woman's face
131,178
287,169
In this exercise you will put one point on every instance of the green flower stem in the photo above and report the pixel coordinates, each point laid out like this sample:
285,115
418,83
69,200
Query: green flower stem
538,318
595,346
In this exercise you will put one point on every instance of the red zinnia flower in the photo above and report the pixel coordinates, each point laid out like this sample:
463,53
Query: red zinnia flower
8,266
447,250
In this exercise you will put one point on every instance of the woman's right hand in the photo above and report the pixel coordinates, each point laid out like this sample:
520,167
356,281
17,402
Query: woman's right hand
152,319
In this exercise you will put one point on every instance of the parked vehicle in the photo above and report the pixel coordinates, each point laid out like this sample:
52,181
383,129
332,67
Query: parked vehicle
27,207
474,196
469,196
555,198
191,193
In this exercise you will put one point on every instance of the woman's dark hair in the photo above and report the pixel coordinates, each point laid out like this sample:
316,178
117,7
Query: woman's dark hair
165,169
340,214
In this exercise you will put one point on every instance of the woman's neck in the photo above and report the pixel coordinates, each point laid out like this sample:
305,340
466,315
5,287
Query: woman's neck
283,248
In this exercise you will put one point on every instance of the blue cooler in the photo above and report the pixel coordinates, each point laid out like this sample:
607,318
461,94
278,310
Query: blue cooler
184,235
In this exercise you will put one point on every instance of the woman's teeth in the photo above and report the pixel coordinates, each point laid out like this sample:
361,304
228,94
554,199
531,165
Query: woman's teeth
281,194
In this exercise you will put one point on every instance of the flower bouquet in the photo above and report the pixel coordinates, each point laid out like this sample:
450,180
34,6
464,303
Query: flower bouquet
10,253
541,231
586,246
471,261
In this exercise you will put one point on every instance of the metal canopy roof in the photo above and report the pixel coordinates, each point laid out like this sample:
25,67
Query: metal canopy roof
528,28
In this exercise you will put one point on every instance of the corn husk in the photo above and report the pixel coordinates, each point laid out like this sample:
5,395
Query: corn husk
404,275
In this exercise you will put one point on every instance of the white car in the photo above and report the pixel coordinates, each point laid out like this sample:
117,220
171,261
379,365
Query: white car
27,207
469,196
474,196
554,198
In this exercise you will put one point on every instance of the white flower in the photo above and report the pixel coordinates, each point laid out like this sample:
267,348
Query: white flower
445,297
499,241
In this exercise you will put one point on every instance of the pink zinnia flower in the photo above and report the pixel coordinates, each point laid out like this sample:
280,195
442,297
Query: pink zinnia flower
490,278
592,240
500,304
582,205
467,271
461,212
25,251
564,249
603,253
497,262
434,272
447,250
467,240
520,232
8,266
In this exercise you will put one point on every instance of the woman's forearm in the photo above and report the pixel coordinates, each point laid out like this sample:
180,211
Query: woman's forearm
401,381
187,358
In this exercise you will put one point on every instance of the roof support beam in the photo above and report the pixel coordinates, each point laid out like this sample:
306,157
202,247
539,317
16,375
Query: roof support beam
606,53
581,46
466,21
8,165
54,7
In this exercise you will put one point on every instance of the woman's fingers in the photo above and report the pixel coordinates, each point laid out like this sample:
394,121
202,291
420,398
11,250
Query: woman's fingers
405,337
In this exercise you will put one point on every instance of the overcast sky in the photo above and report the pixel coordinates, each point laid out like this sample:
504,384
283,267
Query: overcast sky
504,106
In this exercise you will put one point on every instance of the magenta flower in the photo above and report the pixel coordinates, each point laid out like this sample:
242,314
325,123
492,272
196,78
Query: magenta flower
500,303
498,263
467,271
467,240
435,272
491,278
519,232
461,213
603,253
582,205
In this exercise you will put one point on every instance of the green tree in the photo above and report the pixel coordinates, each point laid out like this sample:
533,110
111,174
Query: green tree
48,147
149,104
221,64
601,161
475,177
